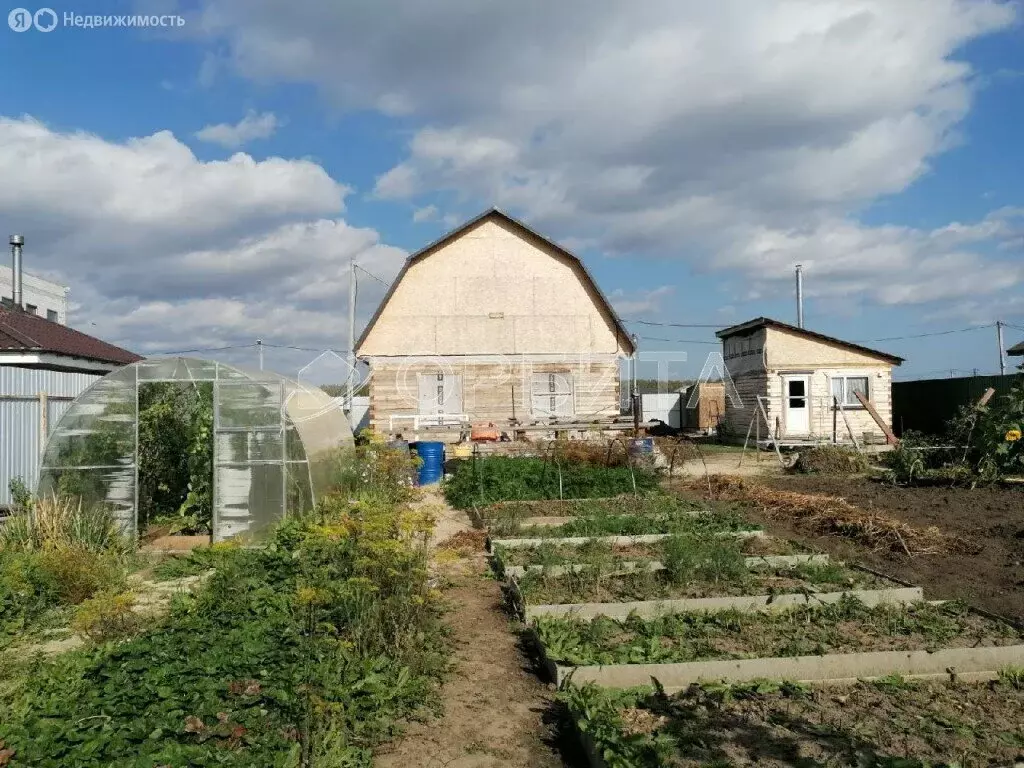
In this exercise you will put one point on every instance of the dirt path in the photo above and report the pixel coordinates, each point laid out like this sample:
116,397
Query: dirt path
496,710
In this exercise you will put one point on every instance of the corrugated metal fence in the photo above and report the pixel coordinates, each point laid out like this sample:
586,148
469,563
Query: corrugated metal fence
31,403
926,405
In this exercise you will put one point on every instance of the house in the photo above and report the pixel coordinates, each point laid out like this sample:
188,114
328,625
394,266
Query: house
1017,350
40,297
43,367
798,373
493,323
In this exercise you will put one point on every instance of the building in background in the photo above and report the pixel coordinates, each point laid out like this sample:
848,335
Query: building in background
797,373
43,367
493,323
40,297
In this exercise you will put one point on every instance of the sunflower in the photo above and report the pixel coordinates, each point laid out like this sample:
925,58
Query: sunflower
1013,435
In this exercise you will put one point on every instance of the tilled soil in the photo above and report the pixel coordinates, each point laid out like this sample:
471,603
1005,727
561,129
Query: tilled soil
990,518
866,724
497,712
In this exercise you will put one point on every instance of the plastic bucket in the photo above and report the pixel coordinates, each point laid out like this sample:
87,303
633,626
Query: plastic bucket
432,455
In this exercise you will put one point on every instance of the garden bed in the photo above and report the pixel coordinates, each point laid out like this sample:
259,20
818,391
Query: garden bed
887,722
551,553
843,640
652,591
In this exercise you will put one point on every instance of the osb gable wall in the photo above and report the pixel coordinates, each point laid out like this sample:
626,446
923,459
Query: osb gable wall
493,391
786,349
493,290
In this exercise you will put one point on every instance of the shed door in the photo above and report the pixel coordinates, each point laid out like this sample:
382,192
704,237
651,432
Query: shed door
440,393
797,404
552,395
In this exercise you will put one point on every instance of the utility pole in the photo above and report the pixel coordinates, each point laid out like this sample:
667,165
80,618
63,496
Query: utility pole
350,384
1002,351
634,391
799,296
259,349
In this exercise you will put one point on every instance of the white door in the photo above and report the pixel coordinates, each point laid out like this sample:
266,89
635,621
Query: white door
796,406
440,394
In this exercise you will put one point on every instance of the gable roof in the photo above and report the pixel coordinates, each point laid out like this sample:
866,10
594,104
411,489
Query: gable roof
494,213
21,331
767,322
1016,349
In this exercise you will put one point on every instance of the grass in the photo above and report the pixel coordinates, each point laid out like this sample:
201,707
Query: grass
845,626
888,723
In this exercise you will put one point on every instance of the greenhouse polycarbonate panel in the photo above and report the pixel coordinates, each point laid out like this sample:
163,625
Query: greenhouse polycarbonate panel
248,457
91,453
261,421
248,404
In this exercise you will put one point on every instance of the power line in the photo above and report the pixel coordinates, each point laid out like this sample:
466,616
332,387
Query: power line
206,349
679,341
379,280
676,325
923,335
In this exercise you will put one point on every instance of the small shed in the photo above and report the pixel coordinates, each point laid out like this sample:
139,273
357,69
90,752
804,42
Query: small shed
704,406
44,366
799,375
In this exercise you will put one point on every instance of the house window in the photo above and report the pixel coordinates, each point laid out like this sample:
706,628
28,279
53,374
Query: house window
844,389
6,301
31,308
51,315
552,395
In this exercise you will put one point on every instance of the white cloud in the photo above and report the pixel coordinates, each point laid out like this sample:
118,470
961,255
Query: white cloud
734,135
252,126
640,302
163,251
426,213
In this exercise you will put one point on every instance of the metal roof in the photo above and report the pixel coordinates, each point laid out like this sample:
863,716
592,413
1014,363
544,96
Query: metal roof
763,322
498,214
21,331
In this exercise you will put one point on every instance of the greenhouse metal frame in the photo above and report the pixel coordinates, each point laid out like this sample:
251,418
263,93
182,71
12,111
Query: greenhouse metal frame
275,443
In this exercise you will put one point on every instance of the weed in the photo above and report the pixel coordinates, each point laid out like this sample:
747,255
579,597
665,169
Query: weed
108,616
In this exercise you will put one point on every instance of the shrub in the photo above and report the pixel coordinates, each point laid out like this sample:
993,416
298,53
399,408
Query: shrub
831,460
109,615
74,574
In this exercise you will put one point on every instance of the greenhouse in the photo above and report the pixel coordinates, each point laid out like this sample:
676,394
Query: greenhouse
275,443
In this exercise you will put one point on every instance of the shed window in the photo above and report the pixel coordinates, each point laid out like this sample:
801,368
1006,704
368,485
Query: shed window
552,395
844,388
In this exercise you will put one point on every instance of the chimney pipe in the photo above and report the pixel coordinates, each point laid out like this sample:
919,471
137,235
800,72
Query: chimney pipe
17,241
799,296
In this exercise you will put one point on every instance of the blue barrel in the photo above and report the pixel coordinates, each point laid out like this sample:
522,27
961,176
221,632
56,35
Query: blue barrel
641,446
432,455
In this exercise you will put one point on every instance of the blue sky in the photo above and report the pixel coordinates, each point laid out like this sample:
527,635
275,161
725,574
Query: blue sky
690,154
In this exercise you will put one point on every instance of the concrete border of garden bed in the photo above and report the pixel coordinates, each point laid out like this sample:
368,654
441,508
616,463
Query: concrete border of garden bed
747,603
967,664
753,562
615,541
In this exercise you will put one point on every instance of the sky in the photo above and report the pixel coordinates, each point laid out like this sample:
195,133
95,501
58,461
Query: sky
204,185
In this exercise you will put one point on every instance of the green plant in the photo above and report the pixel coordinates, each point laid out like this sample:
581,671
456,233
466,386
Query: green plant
64,521
484,481
307,651
110,615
